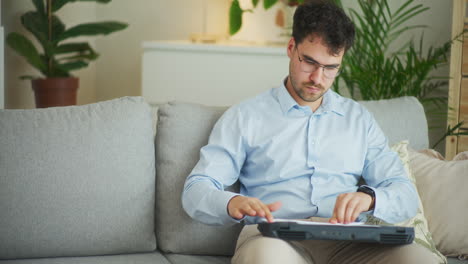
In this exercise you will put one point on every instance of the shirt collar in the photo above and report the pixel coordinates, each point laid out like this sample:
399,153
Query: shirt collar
331,101
285,99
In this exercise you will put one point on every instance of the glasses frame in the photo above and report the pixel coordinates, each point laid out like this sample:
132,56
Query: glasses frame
317,66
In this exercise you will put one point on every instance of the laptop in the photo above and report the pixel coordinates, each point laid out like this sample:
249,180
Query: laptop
354,232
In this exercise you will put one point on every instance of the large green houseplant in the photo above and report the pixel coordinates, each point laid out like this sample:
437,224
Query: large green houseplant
376,68
58,56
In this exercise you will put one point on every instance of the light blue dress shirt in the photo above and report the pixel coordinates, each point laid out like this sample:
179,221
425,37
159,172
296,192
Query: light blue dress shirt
281,151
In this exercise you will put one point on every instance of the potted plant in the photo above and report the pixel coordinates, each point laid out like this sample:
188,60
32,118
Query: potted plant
375,68
236,12
58,56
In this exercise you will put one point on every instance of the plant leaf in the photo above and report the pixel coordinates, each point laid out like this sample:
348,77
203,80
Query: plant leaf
39,4
25,48
37,24
73,47
255,3
82,50
57,4
84,57
55,71
235,17
269,3
92,29
72,66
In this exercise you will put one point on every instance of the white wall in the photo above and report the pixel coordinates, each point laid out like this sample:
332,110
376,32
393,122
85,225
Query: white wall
119,67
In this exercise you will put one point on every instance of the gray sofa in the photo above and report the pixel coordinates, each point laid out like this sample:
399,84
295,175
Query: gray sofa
91,184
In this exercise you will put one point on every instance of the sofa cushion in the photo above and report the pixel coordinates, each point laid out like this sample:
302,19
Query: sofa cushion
422,236
192,259
145,258
181,131
443,189
77,181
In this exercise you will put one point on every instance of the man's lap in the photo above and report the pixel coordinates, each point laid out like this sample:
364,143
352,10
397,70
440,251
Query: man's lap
252,247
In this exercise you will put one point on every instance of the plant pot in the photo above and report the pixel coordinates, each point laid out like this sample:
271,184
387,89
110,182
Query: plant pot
52,92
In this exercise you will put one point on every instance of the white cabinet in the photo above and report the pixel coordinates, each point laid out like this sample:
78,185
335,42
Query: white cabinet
210,74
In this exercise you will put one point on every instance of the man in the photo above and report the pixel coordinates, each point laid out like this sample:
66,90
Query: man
298,151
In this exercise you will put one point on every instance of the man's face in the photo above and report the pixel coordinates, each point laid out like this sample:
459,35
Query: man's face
306,85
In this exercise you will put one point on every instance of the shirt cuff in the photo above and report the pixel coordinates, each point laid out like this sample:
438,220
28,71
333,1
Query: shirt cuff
222,206
379,204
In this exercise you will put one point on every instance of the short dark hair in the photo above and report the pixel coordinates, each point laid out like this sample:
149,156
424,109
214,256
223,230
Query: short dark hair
326,20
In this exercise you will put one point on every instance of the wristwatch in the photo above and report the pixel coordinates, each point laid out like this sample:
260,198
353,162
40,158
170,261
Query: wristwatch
369,191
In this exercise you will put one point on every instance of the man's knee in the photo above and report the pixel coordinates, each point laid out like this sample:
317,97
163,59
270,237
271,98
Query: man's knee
269,250
413,253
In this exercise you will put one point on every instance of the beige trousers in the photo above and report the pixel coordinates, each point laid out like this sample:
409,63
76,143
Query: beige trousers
254,248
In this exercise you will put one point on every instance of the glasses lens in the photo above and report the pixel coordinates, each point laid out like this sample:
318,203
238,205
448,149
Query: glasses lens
309,66
331,72
312,66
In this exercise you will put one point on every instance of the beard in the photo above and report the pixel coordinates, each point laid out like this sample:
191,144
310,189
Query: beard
305,90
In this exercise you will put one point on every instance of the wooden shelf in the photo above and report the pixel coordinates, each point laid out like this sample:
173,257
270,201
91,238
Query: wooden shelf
462,143
458,84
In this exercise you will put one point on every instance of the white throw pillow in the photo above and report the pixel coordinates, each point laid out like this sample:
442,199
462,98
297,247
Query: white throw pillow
443,189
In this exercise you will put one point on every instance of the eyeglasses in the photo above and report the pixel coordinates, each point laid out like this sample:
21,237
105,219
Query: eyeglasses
309,65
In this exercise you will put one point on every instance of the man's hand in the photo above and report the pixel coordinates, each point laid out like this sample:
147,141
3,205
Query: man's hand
239,206
348,206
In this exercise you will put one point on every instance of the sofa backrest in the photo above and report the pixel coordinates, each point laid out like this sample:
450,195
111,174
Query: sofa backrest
183,128
400,119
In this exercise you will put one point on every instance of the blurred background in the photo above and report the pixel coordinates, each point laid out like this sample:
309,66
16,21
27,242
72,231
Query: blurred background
118,70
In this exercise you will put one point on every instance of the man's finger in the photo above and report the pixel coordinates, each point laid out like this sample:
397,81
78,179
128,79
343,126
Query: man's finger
271,208
237,214
258,208
350,209
333,219
247,210
267,214
340,207
274,206
356,213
